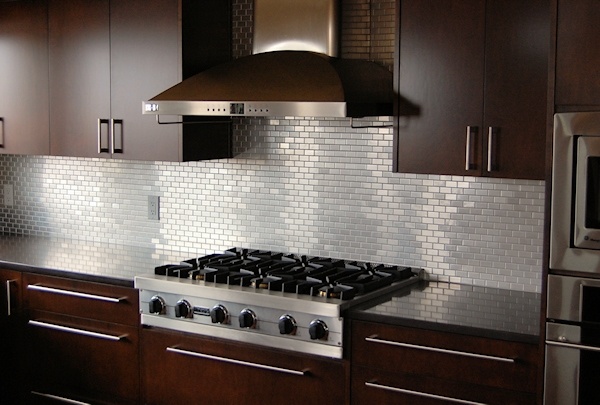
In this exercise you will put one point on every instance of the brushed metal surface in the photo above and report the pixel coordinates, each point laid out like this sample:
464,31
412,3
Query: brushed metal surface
563,256
307,25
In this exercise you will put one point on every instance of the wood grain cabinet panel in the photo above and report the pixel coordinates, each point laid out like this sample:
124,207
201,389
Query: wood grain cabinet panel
83,341
24,78
175,370
11,323
415,366
106,57
476,71
577,54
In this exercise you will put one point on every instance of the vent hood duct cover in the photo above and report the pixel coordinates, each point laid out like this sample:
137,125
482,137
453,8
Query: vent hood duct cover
282,83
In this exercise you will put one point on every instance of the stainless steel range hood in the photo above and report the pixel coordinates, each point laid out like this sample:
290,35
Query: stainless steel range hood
293,71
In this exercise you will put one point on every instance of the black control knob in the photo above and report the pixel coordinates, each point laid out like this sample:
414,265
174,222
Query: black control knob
287,325
157,305
219,314
183,309
247,318
318,330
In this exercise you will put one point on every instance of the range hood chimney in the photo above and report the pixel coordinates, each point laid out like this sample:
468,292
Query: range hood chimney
293,71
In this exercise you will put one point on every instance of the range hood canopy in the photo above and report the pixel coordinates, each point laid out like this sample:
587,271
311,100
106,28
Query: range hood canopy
307,80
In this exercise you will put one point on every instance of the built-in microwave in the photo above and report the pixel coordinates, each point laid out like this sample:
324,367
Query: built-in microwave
575,212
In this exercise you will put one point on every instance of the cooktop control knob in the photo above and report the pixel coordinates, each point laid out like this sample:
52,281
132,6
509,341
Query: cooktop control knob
318,330
247,318
219,314
183,309
157,305
287,325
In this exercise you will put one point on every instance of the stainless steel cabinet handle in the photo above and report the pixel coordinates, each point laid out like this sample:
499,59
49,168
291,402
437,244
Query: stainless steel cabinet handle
1,132
60,399
101,148
439,350
76,331
113,140
420,394
37,287
8,303
491,164
469,165
233,361
573,346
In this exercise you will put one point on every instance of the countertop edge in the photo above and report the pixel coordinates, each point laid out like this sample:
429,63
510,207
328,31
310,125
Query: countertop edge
67,274
445,327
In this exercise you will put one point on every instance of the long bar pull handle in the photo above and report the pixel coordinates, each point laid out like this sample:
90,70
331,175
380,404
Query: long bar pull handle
101,147
8,303
76,331
116,147
234,361
1,132
491,164
573,346
471,131
59,399
41,288
374,339
421,394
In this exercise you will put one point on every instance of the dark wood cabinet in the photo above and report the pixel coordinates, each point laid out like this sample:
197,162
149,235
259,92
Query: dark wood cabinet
106,57
477,73
86,336
577,55
399,365
11,372
24,78
179,368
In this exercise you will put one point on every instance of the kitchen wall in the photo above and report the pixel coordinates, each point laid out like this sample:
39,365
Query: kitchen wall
302,185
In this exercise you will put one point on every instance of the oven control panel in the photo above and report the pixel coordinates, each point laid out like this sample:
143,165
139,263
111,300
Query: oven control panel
285,328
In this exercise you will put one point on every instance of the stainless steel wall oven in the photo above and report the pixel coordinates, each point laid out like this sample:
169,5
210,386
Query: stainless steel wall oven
575,214
573,310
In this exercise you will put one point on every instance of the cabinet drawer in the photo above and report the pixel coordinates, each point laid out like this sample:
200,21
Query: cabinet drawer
83,299
375,386
226,372
448,356
82,359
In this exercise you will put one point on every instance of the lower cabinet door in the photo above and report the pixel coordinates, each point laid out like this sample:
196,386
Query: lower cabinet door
75,359
11,364
180,368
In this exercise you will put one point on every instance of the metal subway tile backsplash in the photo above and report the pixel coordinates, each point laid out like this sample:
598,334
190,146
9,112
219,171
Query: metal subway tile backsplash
302,185
319,194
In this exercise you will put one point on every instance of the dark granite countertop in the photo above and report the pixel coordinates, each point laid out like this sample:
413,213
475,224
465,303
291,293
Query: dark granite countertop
103,262
460,308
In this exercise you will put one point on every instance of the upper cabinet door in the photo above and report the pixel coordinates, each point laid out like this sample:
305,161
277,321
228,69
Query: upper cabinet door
79,50
578,55
106,57
145,60
516,88
476,72
24,78
440,72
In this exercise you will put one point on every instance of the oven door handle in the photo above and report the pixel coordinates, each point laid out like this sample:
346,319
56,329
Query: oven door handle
573,346
234,361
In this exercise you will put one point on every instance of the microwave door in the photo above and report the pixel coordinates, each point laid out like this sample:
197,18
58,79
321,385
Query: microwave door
586,224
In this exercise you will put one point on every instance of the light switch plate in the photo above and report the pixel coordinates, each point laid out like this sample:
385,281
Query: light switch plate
9,197
153,207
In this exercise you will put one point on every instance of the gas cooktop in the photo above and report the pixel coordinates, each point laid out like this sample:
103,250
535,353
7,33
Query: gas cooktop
268,298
